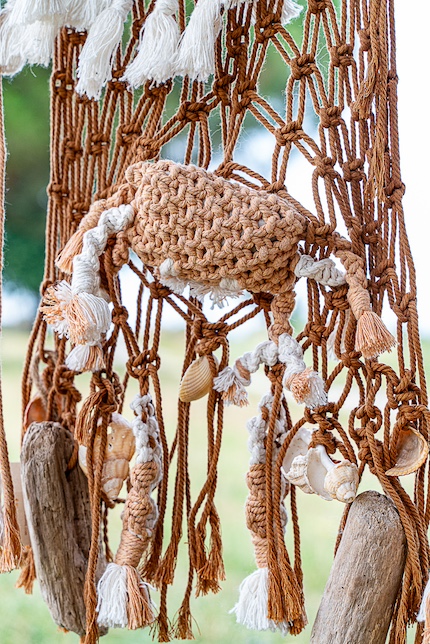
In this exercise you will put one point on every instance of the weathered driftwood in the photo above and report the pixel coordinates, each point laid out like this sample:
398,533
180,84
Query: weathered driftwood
360,593
58,513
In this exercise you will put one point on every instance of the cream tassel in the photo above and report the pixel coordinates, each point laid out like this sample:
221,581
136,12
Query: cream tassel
157,51
26,12
104,37
196,57
82,13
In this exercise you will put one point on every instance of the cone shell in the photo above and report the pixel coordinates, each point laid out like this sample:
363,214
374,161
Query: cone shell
341,482
412,451
119,451
197,380
297,474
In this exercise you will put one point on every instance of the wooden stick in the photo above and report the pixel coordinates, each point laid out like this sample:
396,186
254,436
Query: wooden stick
57,508
365,577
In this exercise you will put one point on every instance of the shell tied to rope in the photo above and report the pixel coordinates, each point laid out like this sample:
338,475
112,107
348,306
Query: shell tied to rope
123,597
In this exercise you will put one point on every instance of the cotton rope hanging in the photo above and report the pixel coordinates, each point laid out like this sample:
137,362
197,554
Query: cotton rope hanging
127,80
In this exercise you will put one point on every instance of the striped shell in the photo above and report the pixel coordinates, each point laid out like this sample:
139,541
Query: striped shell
197,380
119,451
341,482
412,451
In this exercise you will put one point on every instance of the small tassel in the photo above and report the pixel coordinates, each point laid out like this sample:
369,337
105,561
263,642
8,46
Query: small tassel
85,357
156,54
140,606
104,37
40,40
12,42
251,607
196,57
25,12
306,385
290,10
82,13
372,336
229,384
28,571
112,597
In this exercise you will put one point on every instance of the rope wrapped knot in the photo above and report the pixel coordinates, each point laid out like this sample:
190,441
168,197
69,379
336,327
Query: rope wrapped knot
123,597
77,310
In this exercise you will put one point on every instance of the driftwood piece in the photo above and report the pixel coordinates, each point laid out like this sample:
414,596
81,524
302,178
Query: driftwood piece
365,578
58,513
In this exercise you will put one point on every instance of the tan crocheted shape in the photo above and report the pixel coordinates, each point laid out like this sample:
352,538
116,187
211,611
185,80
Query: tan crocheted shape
196,227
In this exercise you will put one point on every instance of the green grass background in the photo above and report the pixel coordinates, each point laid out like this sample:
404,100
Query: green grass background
25,619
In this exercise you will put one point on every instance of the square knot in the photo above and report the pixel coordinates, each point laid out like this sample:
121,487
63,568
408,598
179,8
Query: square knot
324,166
71,150
127,134
341,56
337,299
330,116
237,41
244,94
97,144
317,6
288,133
57,192
62,83
302,66
353,170
266,28
193,112
145,148
222,88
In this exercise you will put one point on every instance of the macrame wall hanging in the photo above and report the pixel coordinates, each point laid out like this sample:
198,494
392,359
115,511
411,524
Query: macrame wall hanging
127,79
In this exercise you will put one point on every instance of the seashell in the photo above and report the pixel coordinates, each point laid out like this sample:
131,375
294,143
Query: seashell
341,481
197,380
318,465
119,451
298,446
35,412
412,451
297,473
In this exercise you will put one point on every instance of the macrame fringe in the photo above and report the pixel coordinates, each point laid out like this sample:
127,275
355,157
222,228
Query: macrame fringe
104,37
157,51
27,576
372,337
28,11
12,44
11,550
251,607
196,56
229,384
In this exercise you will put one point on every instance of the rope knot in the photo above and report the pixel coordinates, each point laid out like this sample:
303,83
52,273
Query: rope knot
126,134
222,88
289,132
364,36
330,116
353,170
97,144
341,56
302,66
324,166
317,6
266,28
193,111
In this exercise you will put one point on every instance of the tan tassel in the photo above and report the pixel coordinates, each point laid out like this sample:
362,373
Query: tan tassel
372,337
28,571
139,607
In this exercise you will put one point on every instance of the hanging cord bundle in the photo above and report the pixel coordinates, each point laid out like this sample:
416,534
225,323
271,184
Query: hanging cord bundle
10,538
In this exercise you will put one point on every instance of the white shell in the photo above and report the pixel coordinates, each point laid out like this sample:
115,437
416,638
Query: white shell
317,470
298,446
341,482
297,474
412,452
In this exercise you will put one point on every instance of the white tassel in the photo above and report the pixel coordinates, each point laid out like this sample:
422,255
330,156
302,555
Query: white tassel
157,51
12,40
229,380
251,608
290,10
421,617
25,12
112,597
196,57
82,13
291,354
104,37
85,357
40,40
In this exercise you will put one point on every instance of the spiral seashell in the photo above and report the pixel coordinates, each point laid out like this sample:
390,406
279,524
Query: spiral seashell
119,451
297,473
412,451
341,481
197,380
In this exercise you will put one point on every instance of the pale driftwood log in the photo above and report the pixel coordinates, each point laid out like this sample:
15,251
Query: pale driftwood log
365,578
58,513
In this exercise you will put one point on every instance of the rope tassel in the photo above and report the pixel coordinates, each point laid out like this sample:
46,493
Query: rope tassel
196,56
157,51
104,37
123,597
